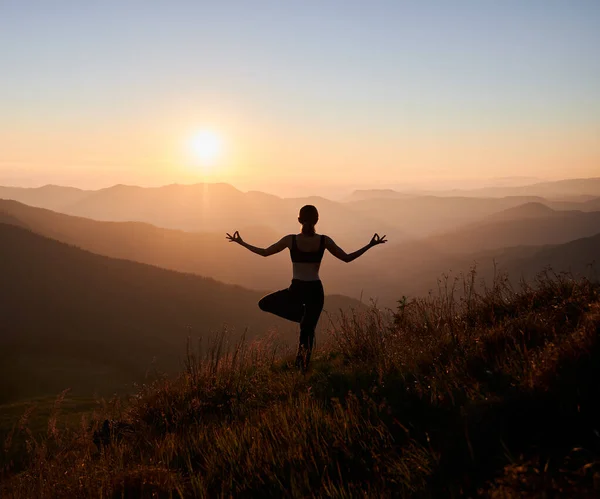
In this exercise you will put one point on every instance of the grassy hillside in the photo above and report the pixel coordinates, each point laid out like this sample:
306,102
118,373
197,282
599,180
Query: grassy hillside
494,395
71,318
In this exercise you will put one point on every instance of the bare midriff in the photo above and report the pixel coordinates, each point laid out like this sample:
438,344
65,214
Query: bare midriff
306,271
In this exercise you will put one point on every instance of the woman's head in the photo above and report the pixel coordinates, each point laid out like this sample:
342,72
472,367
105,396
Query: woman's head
309,216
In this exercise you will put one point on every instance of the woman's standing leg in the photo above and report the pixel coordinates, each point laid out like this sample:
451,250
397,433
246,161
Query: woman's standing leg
313,298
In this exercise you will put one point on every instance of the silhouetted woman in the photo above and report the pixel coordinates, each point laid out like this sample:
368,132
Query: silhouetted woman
303,301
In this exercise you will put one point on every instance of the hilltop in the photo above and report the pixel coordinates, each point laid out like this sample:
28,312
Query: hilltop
495,395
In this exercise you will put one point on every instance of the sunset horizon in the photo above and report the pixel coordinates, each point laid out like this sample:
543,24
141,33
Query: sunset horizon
469,92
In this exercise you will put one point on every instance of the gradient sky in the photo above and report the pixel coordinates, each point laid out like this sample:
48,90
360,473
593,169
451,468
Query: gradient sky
306,94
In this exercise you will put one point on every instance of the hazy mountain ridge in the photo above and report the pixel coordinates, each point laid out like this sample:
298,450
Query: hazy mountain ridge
576,190
222,207
414,267
365,194
207,254
528,210
421,275
426,215
556,228
579,257
210,207
384,273
49,196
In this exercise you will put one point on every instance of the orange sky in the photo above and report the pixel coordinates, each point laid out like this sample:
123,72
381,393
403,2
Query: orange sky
305,95
255,157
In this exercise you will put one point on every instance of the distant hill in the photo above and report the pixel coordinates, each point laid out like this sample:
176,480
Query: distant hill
581,256
421,216
414,267
205,253
557,228
592,205
416,270
527,210
578,190
71,318
53,197
363,194
561,189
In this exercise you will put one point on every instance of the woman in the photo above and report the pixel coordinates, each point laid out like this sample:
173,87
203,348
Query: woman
303,301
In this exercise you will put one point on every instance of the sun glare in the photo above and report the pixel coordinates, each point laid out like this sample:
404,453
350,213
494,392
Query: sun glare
206,147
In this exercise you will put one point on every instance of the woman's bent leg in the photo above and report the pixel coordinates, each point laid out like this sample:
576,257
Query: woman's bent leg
284,304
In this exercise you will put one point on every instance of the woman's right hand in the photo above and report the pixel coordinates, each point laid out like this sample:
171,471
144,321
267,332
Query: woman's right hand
375,240
235,238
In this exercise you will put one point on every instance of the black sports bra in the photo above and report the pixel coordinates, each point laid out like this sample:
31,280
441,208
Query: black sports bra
307,256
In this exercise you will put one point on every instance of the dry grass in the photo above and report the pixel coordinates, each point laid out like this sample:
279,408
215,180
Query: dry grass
462,392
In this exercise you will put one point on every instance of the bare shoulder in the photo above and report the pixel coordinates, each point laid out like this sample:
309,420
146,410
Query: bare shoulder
328,241
288,240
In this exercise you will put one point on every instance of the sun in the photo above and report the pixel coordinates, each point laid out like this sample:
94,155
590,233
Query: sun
206,147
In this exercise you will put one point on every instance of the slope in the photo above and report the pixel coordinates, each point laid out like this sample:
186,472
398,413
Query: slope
418,278
425,215
203,253
493,396
556,227
95,322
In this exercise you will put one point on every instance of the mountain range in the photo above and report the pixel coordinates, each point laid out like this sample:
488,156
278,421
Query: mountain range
94,304
382,273
576,190
222,207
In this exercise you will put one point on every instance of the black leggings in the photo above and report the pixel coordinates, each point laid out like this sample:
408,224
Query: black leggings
302,302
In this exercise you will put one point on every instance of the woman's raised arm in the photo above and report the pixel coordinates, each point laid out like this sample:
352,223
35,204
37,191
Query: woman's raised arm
280,245
339,253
